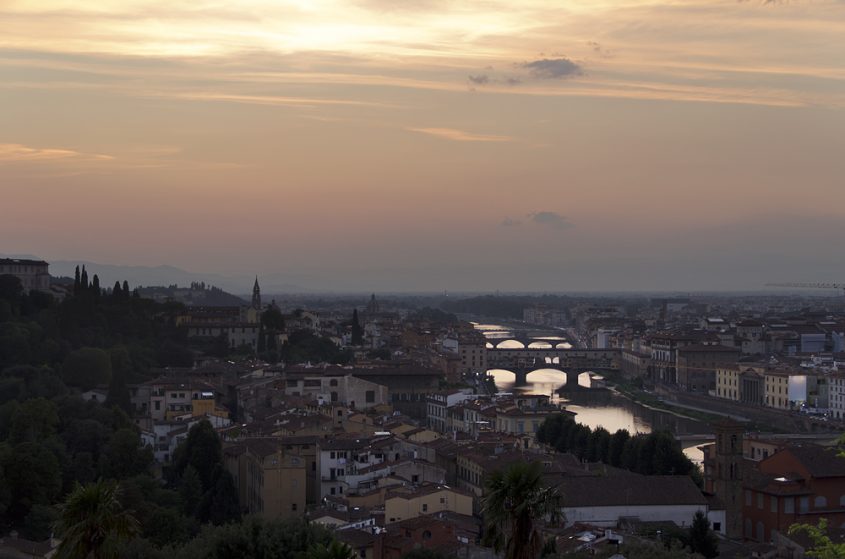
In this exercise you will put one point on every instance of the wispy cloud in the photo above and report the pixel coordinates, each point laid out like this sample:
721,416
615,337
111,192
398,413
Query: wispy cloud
553,220
17,153
461,135
553,68
546,219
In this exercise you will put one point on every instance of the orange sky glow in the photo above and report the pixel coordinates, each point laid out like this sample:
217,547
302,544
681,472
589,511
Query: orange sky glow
430,144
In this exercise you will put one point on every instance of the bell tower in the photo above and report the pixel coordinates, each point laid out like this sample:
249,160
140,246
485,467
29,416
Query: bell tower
256,296
728,474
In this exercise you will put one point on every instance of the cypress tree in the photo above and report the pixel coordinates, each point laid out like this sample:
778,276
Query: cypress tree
702,539
262,341
95,286
77,282
125,289
83,284
116,291
357,332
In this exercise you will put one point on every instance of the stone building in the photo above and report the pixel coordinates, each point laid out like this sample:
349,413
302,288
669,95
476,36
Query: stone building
33,274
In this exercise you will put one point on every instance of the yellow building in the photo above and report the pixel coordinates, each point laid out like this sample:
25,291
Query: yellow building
777,389
410,502
270,482
727,382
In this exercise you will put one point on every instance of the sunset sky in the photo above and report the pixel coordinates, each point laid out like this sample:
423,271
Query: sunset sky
430,145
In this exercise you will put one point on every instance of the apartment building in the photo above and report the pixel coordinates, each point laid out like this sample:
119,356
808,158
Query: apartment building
777,389
697,365
345,463
402,503
271,482
797,484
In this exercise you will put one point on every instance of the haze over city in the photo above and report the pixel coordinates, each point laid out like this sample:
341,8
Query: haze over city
371,145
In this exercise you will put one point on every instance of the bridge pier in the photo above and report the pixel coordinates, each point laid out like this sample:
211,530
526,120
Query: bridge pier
571,381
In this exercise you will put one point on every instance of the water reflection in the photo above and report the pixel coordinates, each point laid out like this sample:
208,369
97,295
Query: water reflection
541,381
602,408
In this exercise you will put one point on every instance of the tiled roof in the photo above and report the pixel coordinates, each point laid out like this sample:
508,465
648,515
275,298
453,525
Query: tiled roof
632,491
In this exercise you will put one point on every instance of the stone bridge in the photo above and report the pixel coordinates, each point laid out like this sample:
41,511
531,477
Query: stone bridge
570,362
571,375
565,359
526,337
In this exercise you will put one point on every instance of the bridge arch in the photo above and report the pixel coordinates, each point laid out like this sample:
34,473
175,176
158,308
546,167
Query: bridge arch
508,344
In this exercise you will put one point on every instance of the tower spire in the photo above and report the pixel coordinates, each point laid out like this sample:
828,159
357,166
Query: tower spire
256,295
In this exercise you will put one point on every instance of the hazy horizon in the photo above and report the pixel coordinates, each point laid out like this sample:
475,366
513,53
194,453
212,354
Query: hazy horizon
674,145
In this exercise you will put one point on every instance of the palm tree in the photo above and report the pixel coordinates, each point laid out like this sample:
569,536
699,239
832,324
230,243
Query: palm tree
335,550
92,522
514,500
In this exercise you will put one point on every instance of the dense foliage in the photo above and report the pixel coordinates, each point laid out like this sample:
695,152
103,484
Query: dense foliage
822,546
51,440
655,453
304,346
253,538
78,468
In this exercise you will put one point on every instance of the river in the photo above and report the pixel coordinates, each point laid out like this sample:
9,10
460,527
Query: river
596,407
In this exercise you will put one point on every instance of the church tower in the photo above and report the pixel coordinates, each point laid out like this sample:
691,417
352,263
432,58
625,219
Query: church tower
256,296
727,478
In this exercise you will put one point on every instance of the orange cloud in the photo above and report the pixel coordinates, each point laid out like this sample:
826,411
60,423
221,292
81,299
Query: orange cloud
14,153
460,135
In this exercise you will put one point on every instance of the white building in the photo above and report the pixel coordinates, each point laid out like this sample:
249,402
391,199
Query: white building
347,465
837,395
605,501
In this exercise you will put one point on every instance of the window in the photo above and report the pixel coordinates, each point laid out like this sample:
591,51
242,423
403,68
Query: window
804,504
717,526
820,502
333,382
773,501
370,396
332,491
158,405
293,507
789,505
332,455
334,397
760,501
426,535
747,498
425,507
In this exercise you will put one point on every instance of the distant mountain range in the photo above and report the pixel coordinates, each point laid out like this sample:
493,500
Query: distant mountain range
164,275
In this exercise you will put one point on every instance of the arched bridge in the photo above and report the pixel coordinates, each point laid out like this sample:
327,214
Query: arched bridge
571,375
566,359
571,362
